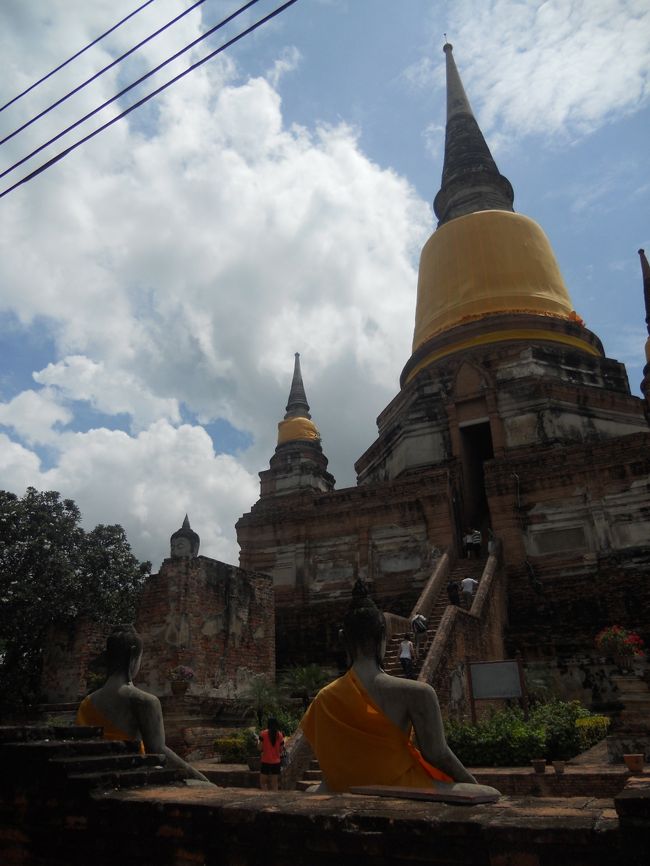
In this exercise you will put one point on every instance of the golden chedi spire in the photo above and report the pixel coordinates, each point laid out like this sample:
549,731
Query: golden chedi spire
297,425
487,274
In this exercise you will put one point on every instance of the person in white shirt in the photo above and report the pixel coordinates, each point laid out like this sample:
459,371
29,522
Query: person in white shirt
468,586
406,653
419,629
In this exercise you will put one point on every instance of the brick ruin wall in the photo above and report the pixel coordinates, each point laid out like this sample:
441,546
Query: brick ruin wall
68,659
216,618
575,528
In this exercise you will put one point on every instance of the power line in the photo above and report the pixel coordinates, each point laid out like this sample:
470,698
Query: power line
74,56
149,96
129,87
101,72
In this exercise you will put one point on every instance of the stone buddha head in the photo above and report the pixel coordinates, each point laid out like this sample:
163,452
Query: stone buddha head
364,626
184,542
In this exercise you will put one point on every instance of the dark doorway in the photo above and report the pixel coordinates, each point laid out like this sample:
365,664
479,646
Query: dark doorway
476,443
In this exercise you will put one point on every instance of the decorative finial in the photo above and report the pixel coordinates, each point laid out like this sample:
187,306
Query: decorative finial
645,273
297,405
471,181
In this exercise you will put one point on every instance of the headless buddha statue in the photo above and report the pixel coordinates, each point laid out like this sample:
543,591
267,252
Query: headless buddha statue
360,725
124,711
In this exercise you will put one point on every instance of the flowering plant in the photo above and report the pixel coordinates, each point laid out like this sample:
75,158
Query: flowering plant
181,673
616,640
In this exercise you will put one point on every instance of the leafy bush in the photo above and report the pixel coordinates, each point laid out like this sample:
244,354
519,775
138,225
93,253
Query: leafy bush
557,730
591,730
288,721
237,748
231,750
504,740
558,719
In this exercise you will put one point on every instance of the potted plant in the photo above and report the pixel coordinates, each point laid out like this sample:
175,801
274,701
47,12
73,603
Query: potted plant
179,678
634,762
619,643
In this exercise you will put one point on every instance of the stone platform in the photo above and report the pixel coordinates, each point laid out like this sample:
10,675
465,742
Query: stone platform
68,799
234,827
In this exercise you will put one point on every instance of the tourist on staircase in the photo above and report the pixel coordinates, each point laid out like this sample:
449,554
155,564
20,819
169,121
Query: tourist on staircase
406,654
419,629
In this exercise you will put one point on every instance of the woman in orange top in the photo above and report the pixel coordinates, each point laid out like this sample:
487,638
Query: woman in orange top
271,747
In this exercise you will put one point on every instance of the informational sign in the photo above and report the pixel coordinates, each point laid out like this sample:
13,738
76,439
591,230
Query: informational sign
495,680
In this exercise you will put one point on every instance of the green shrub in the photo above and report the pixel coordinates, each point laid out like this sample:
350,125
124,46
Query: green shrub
231,750
591,730
288,721
556,730
558,718
503,740
237,748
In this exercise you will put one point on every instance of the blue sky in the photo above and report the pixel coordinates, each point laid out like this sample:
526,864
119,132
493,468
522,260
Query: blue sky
155,284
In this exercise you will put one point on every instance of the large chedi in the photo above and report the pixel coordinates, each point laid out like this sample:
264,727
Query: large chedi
510,418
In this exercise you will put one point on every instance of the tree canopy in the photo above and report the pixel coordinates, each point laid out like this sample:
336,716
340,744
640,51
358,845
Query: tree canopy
51,572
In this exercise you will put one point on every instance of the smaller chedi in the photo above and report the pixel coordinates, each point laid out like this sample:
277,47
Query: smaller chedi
184,543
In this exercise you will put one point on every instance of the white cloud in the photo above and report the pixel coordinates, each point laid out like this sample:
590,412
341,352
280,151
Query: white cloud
108,391
184,260
288,61
558,67
33,416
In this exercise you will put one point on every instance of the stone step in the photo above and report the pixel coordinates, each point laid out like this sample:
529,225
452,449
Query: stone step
25,733
105,763
47,749
313,775
303,785
134,778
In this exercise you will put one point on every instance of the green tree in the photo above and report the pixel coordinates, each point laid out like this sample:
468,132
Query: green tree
304,681
52,571
261,696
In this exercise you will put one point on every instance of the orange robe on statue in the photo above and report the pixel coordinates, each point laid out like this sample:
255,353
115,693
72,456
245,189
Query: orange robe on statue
88,714
356,744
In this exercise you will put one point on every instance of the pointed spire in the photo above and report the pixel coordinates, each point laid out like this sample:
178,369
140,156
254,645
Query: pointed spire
297,407
470,178
645,272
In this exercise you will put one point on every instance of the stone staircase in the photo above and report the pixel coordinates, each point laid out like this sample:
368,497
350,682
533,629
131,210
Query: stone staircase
74,757
462,569
311,776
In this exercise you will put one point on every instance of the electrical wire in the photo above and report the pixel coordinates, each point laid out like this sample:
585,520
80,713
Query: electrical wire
64,153
74,56
101,72
129,87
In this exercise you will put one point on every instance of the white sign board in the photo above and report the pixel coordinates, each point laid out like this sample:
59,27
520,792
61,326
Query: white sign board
495,680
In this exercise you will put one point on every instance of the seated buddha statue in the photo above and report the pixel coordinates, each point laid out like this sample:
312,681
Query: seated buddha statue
124,711
360,725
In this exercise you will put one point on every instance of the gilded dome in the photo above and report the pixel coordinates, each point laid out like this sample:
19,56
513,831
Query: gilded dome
297,429
485,263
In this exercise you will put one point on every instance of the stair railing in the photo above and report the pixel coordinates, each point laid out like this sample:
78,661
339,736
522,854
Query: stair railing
453,614
435,584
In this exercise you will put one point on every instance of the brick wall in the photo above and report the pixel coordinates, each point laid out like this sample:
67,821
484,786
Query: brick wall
216,618
69,654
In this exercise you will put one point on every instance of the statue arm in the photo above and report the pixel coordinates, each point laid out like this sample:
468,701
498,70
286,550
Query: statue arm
427,721
148,712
